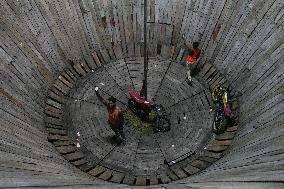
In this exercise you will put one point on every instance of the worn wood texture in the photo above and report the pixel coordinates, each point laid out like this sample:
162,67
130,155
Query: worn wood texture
41,39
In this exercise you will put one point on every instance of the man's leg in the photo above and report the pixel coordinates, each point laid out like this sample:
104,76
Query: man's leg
121,133
115,130
194,69
188,71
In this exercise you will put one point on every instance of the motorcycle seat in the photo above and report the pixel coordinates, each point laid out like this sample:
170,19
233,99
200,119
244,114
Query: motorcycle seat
137,98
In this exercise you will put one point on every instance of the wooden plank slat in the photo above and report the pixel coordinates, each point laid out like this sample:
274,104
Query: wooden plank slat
180,173
57,131
164,178
128,179
225,136
97,170
74,156
140,181
96,58
117,177
153,180
106,175
105,55
66,149
79,162
78,68
52,138
200,164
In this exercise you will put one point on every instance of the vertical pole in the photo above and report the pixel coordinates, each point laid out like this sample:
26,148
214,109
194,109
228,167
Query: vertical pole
145,49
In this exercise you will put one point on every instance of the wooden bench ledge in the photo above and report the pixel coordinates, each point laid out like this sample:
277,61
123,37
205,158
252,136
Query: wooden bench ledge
80,162
216,148
52,138
200,164
106,175
117,177
74,156
66,149
190,170
55,131
140,181
180,173
97,170
225,136
128,179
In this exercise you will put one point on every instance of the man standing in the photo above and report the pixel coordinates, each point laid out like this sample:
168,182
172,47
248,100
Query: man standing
115,115
192,60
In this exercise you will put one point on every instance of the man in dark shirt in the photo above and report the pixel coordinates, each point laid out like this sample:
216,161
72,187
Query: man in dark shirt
115,115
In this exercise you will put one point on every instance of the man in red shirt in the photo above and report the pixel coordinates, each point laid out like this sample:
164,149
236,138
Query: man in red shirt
192,60
115,115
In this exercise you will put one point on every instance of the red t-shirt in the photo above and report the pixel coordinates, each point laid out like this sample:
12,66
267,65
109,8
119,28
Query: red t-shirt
115,118
195,53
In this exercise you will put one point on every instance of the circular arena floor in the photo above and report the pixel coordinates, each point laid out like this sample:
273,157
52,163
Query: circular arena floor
77,125
145,152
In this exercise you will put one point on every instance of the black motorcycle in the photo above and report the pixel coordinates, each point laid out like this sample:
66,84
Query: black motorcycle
150,112
222,113
161,123
220,122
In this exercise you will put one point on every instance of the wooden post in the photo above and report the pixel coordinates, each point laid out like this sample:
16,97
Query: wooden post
145,49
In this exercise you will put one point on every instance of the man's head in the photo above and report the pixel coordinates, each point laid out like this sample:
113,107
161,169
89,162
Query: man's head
112,101
195,45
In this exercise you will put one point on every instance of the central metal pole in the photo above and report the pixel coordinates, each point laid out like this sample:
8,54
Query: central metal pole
145,49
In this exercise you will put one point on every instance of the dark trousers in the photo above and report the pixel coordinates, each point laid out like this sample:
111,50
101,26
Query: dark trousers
119,131
190,69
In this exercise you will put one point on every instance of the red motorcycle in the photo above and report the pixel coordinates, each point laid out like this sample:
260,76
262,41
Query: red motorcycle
138,104
149,111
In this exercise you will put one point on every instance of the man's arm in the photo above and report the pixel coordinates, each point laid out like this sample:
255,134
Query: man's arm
100,97
186,44
198,56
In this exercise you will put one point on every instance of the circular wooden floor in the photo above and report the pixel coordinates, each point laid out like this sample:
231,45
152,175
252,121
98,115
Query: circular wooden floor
86,139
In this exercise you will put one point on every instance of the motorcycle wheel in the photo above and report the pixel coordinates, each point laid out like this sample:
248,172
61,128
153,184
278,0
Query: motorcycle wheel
220,125
163,125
